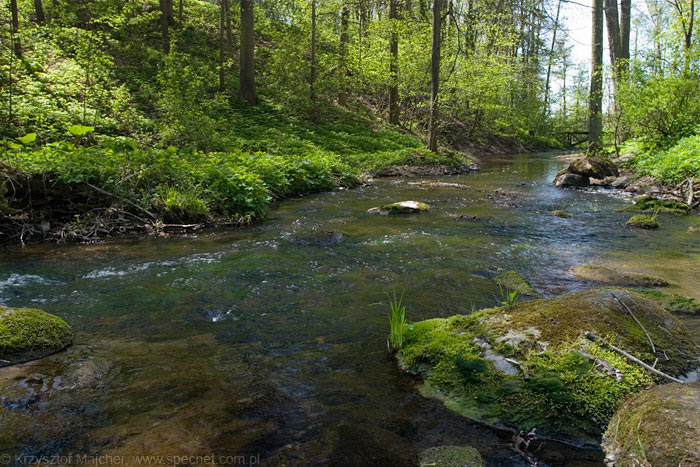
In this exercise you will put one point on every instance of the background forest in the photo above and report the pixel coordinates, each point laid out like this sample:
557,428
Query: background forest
163,104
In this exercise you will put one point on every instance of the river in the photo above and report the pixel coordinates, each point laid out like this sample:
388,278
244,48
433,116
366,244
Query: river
269,343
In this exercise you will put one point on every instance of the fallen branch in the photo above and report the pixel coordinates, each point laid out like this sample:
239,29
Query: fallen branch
653,348
105,192
631,358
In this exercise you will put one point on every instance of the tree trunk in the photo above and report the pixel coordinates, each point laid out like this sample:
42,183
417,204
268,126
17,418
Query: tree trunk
312,76
551,58
16,44
342,54
222,47
625,28
39,8
435,75
179,13
595,95
164,28
247,90
394,64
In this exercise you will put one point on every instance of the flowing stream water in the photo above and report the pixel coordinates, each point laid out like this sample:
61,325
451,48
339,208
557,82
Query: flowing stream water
270,342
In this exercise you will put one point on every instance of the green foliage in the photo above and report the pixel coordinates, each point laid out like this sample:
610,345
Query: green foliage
397,322
508,297
660,109
80,130
27,139
672,165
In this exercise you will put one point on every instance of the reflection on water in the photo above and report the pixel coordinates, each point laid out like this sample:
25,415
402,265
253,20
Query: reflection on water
267,342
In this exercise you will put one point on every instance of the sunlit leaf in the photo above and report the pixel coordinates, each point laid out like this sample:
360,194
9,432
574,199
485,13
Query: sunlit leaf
80,130
28,138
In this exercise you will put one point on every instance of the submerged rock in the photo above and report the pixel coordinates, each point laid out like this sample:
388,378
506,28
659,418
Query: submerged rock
643,222
512,280
402,207
560,213
322,238
694,228
660,426
567,386
451,456
28,334
593,272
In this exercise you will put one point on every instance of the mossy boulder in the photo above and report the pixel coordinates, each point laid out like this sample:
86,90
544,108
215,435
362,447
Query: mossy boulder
594,167
28,334
560,213
402,207
451,456
643,222
567,387
673,303
597,273
512,280
652,203
657,427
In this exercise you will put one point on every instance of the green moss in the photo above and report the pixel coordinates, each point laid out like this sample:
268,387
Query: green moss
572,387
598,273
652,203
660,426
451,456
643,221
470,366
512,280
27,334
673,303
405,207
560,213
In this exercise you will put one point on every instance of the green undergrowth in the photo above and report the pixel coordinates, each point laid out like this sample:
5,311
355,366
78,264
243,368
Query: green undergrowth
670,163
567,392
267,156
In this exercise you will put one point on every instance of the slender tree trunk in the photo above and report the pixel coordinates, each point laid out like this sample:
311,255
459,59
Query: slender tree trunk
247,90
595,95
342,53
394,64
435,75
164,28
16,44
312,76
39,8
179,13
222,47
625,29
551,59
229,28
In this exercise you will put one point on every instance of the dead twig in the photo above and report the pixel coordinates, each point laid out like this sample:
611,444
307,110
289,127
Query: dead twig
105,192
653,348
593,337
